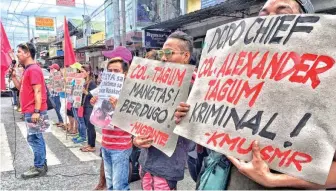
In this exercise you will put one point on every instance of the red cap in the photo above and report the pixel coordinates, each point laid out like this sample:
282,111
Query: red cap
54,66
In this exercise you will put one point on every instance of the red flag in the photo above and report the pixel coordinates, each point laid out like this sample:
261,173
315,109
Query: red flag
69,54
5,58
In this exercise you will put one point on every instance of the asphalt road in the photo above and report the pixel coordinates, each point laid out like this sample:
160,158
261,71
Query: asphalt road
69,168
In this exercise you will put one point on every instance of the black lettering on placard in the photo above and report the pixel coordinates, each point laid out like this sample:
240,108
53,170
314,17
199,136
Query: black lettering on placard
271,31
282,27
135,88
125,105
150,112
218,35
300,125
223,115
213,112
305,29
230,33
131,107
178,92
261,29
248,40
236,120
203,109
253,123
242,26
169,95
144,110
265,30
195,112
136,109
266,134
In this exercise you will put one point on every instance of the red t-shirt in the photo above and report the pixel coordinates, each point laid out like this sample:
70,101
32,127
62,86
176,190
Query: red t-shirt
116,139
32,76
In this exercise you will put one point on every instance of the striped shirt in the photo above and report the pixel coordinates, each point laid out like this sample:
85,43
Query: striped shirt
116,139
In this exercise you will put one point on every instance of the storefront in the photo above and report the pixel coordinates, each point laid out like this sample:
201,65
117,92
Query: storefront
207,14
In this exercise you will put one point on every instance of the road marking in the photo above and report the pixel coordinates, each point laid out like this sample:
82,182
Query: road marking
60,135
84,156
51,157
73,147
5,153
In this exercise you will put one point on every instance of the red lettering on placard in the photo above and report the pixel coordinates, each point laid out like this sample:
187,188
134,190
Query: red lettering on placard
269,153
159,137
297,158
277,66
206,68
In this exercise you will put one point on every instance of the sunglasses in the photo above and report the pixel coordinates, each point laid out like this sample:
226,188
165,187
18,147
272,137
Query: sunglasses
167,53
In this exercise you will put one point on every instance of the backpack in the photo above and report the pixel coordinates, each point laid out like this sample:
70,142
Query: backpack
215,174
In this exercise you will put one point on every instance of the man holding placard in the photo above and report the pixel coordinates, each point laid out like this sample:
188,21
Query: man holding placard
256,174
55,95
116,143
158,171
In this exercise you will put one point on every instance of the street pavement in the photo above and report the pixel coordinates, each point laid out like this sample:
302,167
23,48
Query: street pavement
69,168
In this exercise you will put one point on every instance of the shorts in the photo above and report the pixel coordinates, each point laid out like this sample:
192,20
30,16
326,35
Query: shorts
70,113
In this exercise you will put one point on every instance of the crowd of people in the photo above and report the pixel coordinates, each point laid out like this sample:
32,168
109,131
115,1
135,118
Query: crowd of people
157,170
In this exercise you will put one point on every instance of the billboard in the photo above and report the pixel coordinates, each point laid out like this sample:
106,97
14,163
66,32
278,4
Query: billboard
68,3
44,23
154,39
147,11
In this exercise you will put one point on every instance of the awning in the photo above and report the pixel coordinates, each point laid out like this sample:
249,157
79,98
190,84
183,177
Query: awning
93,47
220,10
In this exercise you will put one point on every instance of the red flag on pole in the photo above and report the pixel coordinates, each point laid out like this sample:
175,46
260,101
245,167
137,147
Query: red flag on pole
6,60
69,54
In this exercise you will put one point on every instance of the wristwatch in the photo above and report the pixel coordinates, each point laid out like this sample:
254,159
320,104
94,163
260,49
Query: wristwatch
36,111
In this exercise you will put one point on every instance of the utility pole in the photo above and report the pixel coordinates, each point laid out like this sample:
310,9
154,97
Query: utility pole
28,28
116,23
123,17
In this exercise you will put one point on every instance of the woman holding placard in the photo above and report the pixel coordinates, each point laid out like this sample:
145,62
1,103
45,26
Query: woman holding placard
87,108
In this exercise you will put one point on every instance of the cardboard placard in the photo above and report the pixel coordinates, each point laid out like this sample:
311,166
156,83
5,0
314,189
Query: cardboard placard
152,90
110,86
58,82
268,79
70,74
78,91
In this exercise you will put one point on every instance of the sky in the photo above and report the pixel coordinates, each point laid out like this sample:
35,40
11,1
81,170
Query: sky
16,25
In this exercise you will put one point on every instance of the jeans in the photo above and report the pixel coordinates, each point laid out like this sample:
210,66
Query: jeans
91,131
116,166
81,123
37,144
57,101
15,97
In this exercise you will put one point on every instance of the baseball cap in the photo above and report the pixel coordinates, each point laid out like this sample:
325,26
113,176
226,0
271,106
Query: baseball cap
54,66
76,65
306,6
119,51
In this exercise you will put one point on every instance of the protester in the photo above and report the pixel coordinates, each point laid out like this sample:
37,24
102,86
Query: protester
33,100
158,171
151,55
73,126
88,86
82,128
13,88
256,174
116,143
56,97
